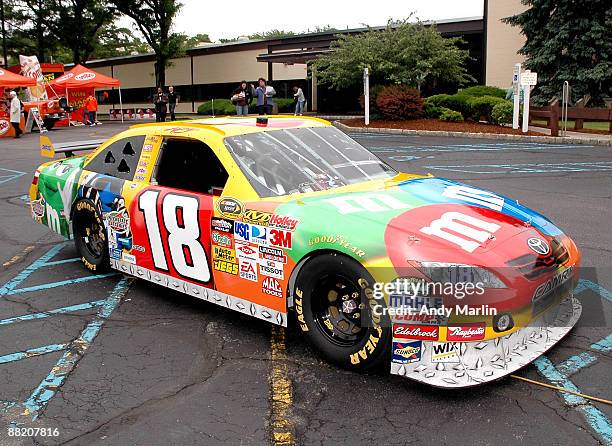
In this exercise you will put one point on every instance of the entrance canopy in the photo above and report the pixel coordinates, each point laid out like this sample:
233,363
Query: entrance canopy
82,77
12,80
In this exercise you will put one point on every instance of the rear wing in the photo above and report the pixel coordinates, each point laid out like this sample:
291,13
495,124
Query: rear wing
48,149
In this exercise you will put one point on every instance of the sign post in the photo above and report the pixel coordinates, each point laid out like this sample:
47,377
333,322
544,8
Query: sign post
516,89
366,94
528,79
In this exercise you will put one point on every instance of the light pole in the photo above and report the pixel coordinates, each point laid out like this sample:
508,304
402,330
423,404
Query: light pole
5,63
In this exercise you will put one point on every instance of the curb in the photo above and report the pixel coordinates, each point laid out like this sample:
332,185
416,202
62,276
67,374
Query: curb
544,139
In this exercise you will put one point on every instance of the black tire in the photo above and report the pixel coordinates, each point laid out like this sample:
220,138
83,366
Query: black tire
90,236
329,281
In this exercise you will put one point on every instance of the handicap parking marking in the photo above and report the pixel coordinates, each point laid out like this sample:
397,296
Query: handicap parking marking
74,350
559,374
7,175
596,166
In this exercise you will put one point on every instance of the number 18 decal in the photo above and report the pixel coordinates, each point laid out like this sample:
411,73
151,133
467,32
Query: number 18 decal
180,220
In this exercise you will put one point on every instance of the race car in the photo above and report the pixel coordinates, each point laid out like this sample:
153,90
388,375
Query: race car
436,280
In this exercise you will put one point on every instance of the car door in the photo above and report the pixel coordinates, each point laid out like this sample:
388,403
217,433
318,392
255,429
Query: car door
170,217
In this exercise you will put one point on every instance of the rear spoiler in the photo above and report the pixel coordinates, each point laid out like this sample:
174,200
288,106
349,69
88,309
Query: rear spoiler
48,149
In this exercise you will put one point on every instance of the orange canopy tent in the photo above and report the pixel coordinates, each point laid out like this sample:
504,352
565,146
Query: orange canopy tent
82,77
12,80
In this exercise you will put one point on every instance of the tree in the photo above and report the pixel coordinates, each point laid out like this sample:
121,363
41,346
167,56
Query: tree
74,23
113,42
192,41
154,19
271,34
402,53
568,40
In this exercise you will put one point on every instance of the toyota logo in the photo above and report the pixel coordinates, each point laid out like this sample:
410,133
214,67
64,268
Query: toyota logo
538,245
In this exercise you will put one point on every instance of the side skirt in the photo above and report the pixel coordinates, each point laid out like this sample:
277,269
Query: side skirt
207,294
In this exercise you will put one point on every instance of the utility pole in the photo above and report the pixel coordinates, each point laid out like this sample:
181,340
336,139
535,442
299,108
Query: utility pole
4,57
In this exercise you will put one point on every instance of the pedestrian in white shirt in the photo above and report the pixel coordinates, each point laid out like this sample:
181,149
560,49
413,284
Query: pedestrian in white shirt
300,100
15,113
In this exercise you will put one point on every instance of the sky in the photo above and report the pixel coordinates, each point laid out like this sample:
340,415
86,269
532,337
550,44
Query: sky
223,19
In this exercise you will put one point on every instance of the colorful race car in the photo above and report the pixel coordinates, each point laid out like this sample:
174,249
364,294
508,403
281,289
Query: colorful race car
448,284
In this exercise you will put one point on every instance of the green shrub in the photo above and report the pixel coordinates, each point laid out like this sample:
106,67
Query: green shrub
399,102
502,113
432,111
222,107
285,105
484,90
482,106
456,102
450,115
437,99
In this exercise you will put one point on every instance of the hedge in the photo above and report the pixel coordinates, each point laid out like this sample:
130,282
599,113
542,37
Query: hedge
450,115
482,106
399,102
484,90
502,113
225,107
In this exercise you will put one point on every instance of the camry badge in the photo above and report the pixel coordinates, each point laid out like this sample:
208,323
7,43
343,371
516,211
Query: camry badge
538,245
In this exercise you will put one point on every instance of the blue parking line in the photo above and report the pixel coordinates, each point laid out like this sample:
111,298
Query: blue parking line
46,286
595,166
62,262
605,345
54,380
13,175
24,274
45,314
576,363
32,352
584,284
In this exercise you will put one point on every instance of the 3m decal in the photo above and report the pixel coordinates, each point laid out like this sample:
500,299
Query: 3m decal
406,352
472,332
445,352
186,252
473,231
280,238
272,287
354,203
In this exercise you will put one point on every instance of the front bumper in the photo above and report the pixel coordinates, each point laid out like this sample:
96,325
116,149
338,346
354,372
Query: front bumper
467,364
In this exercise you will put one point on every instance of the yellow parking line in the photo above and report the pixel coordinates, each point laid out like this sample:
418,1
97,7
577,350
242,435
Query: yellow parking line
281,392
17,257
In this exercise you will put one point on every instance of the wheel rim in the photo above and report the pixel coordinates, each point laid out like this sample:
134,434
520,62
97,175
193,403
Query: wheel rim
92,236
338,308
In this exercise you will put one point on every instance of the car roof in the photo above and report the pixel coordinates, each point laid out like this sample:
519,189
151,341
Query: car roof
233,126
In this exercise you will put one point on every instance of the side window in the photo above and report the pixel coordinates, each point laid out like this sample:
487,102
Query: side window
190,165
119,159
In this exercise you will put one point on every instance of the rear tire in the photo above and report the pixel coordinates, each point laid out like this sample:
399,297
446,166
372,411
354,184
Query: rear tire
90,236
333,304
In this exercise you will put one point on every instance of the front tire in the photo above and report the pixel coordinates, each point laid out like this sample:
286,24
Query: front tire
90,236
333,304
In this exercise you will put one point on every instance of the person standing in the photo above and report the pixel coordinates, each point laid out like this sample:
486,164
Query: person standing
161,105
173,100
264,94
15,113
91,109
242,98
300,100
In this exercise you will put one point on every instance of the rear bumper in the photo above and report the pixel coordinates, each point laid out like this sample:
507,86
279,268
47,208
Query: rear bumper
466,364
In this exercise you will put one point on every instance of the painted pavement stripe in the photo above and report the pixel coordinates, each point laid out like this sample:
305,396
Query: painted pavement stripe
13,175
597,166
605,345
46,286
49,386
61,262
32,352
23,275
45,314
584,284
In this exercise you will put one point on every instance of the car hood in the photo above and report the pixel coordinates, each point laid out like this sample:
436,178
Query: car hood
447,219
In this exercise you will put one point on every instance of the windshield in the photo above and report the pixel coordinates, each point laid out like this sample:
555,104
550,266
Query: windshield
291,161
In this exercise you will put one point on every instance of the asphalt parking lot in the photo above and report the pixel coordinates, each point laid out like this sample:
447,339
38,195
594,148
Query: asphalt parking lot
111,361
